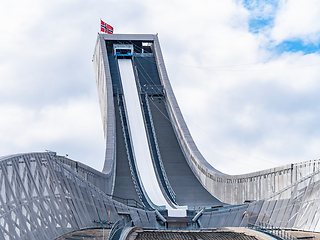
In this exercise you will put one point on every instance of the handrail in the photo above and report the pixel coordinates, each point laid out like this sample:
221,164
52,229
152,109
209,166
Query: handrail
129,150
118,225
273,231
126,201
159,163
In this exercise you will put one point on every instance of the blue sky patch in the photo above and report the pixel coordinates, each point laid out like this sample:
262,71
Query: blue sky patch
297,46
255,25
262,13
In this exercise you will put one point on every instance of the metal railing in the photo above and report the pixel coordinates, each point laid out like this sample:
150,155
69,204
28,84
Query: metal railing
273,231
120,224
157,156
126,135
129,202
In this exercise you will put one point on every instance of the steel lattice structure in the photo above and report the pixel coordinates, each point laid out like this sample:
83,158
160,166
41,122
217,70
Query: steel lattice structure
41,198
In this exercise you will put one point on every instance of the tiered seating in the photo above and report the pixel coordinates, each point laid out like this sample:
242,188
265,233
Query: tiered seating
174,235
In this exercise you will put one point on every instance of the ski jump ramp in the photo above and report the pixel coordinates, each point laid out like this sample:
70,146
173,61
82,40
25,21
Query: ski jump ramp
150,154
154,176
143,115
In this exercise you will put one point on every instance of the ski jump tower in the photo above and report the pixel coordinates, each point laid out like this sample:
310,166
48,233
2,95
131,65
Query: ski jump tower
151,156
153,176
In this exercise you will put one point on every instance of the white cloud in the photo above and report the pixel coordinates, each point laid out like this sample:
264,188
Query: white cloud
297,20
239,99
261,9
74,127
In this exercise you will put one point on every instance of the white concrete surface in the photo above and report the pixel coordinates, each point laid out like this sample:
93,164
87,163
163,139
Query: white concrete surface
138,135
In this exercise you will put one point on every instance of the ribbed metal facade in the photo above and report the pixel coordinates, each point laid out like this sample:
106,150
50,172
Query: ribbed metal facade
295,207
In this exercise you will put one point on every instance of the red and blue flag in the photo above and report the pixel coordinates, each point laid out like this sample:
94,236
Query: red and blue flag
106,28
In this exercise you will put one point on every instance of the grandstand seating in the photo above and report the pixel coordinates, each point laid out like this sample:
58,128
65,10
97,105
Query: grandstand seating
186,235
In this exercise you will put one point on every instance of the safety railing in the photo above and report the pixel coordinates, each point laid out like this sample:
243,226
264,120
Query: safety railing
129,149
156,154
116,228
129,202
275,232
119,224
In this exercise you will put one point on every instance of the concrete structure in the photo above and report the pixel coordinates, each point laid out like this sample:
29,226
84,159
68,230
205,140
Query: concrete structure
154,176
184,176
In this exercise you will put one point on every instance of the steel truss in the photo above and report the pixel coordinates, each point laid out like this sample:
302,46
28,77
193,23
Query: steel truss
41,198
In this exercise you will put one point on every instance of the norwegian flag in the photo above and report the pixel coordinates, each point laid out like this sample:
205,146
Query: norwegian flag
106,28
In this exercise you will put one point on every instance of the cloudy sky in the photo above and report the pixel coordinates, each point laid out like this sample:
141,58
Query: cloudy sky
246,75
